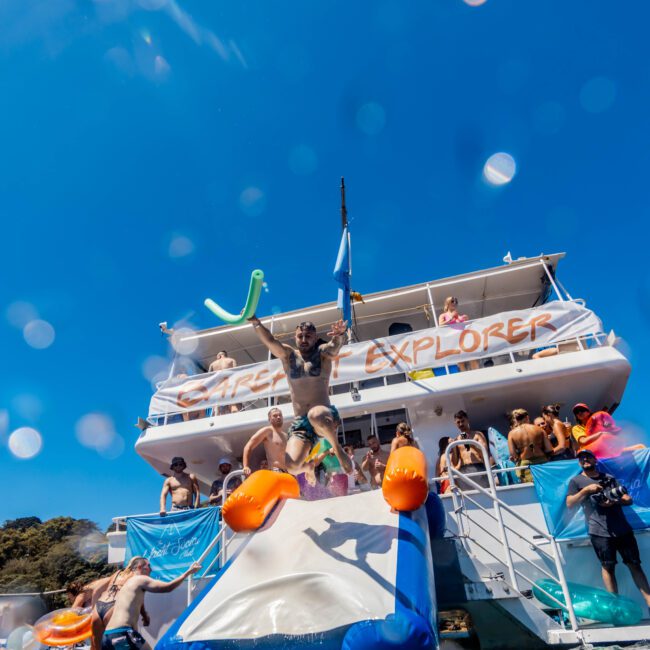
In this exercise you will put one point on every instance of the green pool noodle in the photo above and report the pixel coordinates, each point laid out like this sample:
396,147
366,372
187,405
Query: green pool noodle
254,291
589,602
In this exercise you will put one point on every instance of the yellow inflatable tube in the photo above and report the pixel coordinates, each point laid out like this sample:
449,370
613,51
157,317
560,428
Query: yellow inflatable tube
249,505
405,485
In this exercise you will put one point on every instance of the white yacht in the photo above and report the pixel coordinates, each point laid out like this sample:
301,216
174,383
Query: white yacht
492,545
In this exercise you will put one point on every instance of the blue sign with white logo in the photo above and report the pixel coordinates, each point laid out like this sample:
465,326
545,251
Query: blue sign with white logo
631,469
172,542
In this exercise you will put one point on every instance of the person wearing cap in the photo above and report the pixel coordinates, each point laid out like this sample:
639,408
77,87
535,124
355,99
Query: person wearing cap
609,529
603,437
183,487
216,489
308,367
582,413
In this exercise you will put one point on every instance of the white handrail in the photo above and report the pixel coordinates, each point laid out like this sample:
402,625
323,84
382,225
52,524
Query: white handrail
455,474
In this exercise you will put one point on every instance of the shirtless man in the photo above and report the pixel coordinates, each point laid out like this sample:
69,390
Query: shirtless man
528,444
308,371
375,462
128,604
274,439
467,459
224,362
183,486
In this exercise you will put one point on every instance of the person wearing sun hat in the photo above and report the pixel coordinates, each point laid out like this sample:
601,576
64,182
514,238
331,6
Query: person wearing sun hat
183,487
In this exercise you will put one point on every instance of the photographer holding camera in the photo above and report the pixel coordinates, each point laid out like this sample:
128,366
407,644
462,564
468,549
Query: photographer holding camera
602,499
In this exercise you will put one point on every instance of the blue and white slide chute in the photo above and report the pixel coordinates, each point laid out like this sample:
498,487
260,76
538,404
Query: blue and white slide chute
341,573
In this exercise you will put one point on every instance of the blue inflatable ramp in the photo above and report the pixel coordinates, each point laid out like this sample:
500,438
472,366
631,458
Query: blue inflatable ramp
339,573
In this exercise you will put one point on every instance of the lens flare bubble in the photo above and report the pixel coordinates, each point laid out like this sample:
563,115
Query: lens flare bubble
39,334
499,169
371,118
93,547
265,286
252,201
276,309
474,3
19,313
180,246
23,638
153,366
597,95
95,431
25,443
161,67
114,449
303,160
152,5
184,341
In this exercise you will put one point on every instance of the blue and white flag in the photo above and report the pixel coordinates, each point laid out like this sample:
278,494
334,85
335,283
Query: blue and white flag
342,276
171,543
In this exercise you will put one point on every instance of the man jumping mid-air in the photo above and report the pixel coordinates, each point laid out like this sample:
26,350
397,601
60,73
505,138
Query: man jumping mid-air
308,373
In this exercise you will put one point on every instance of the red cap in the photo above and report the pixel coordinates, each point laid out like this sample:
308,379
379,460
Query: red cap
581,407
601,422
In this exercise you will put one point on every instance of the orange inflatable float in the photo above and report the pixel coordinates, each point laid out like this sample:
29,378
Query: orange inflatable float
64,627
249,505
405,485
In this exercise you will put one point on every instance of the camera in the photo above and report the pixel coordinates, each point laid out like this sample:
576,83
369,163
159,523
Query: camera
611,492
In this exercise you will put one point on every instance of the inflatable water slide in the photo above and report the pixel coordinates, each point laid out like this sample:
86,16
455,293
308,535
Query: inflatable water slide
340,573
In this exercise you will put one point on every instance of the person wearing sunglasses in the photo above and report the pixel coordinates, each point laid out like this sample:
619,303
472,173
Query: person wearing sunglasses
183,487
308,366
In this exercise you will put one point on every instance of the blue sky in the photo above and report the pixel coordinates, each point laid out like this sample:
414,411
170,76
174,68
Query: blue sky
153,152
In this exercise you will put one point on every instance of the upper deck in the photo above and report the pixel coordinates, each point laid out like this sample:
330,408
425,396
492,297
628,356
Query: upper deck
399,367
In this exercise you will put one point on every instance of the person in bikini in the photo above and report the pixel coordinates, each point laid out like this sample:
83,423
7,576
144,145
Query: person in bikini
103,594
274,439
403,437
528,444
308,367
122,633
184,488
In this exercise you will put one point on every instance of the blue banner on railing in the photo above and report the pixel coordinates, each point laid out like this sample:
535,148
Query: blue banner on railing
171,543
552,482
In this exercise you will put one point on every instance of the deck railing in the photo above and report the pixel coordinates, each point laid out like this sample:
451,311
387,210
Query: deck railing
498,508
573,344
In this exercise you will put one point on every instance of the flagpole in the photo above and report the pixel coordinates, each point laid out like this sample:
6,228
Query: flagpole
344,210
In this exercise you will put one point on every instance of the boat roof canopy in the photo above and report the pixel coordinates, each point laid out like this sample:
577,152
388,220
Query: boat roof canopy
521,284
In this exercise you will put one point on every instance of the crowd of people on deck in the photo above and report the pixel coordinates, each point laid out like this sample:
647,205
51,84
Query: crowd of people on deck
530,441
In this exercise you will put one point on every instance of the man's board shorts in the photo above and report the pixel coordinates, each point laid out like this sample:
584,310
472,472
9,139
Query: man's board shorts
606,548
122,638
525,475
177,508
302,428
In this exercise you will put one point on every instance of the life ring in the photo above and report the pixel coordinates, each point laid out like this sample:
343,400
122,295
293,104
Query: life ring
64,627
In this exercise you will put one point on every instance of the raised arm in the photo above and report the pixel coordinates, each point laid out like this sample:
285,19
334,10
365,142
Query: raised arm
196,491
277,349
163,497
256,440
337,334
160,587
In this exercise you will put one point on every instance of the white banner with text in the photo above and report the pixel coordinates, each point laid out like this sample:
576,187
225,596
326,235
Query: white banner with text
430,348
